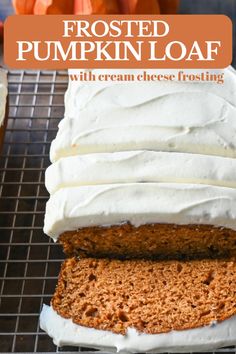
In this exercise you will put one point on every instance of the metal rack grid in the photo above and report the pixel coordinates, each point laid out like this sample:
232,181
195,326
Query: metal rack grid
29,261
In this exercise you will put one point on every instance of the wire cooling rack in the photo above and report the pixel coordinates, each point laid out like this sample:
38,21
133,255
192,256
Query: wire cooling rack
29,260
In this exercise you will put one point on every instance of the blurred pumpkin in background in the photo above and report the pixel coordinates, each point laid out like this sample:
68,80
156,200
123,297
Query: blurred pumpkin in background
53,7
41,7
24,7
96,7
139,7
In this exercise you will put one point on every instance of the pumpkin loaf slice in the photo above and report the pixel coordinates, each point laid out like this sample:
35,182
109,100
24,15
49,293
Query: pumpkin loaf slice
144,220
140,305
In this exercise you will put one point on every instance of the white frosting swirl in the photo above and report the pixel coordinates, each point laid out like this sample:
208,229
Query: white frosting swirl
139,203
140,166
194,122
3,95
81,95
65,332
170,116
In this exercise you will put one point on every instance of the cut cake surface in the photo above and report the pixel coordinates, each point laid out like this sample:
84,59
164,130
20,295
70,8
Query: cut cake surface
151,297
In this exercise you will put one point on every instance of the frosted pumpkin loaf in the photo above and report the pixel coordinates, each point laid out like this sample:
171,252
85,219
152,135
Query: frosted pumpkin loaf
175,197
142,306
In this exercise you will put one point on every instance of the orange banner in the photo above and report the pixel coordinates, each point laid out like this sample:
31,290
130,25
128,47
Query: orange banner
118,41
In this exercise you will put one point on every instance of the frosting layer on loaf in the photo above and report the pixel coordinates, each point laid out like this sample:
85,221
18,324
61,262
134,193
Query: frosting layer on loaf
81,95
3,95
160,152
65,332
167,116
193,122
139,203
142,167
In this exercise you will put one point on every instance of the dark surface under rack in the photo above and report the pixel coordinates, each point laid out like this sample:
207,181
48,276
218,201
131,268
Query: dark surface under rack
29,260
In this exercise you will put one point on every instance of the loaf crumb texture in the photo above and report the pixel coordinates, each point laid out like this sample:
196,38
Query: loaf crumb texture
150,296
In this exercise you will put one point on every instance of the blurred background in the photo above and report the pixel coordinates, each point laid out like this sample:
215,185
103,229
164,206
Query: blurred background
227,7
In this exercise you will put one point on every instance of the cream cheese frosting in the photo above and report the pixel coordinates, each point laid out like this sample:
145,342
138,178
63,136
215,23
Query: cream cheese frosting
65,332
81,95
139,203
115,136
3,95
193,122
169,116
140,166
